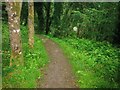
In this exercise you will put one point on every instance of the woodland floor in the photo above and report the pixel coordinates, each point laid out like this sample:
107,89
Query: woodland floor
57,74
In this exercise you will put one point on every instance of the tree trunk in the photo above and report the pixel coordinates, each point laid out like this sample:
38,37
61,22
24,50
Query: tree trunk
24,13
31,22
48,18
39,10
14,11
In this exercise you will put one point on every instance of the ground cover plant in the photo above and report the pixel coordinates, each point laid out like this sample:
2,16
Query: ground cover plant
60,44
34,58
95,64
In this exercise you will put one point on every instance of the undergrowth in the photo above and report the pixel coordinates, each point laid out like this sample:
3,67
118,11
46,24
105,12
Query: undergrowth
34,58
95,64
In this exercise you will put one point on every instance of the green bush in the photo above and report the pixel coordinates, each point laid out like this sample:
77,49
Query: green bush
95,64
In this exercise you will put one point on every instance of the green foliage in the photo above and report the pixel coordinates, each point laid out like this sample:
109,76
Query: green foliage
39,16
95,64
57,13
97,21
58,10
5,44
34,58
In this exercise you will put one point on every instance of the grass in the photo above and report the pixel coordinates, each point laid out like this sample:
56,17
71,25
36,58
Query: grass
95,64
34,59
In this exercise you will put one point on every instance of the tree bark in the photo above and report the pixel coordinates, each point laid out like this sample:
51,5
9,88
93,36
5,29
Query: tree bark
14,11
48,18
24,13
39,10
31,22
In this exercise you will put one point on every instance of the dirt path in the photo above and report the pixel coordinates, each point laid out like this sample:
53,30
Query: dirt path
58,73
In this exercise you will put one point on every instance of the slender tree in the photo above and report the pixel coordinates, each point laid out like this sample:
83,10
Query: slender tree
58,10
48,17
14,11
24,14
57,13
31,22
39,8
4,12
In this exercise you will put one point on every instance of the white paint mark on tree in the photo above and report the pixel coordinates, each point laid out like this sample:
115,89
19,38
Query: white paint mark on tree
12,25
12,15
15,13
16,45
14,31
11,7
11,19
18,30
16,21
20,52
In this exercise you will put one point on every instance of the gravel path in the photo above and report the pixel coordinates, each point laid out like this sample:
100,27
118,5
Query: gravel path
57,74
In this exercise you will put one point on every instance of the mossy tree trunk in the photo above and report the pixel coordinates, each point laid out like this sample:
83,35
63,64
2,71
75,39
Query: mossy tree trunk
31,22
14,11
